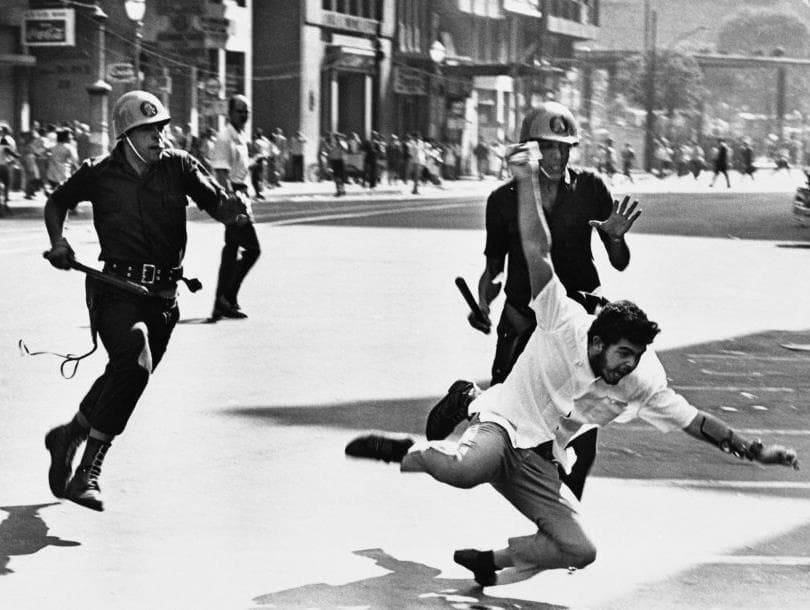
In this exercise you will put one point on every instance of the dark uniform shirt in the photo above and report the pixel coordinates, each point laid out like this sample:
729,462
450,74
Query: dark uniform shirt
141,218
582,196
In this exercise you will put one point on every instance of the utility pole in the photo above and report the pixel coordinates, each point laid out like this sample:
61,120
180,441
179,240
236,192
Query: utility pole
650,33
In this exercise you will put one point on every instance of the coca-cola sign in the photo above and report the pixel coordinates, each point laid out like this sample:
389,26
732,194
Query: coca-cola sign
50,28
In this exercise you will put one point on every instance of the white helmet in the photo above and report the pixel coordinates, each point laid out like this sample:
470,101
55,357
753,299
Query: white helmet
550,121
137,108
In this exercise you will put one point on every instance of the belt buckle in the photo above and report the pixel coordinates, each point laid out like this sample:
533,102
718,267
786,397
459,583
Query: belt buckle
148,273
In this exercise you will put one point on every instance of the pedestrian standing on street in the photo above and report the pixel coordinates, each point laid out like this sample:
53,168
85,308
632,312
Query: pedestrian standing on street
258,168
63,160
138,193
417,157
575,202
628,161
8,154
698,160
747,159
369,151
336,154
720,161
577,369
481,152
283,156
241,251
393,153
297,143
609,160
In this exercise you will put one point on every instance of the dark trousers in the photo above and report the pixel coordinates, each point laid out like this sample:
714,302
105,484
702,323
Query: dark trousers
135,332
233,268
257,175
514,329
339,174
298,168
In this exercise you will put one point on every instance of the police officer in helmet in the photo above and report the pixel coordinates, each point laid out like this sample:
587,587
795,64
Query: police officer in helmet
576,202
138,194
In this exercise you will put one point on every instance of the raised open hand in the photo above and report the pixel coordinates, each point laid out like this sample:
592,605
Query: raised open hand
621,218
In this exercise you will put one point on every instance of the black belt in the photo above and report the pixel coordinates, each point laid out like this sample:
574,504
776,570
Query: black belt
144,273
545,450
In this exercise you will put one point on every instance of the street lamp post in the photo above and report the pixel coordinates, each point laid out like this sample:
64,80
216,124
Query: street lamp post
438,53
135,11
99,90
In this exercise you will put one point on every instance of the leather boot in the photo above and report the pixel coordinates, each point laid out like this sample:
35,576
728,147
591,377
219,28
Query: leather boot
62,443
83,487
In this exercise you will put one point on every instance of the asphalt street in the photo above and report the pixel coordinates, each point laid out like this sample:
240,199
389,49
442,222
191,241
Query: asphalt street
230,489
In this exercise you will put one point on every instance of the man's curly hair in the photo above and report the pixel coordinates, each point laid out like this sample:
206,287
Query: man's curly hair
623,320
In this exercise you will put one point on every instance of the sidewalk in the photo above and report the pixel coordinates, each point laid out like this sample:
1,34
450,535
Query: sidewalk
765,181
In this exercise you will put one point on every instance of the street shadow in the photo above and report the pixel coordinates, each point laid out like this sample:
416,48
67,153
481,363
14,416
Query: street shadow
408,585
197,321
386,415
24,532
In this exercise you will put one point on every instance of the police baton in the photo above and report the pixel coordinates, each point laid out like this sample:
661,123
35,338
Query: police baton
118,282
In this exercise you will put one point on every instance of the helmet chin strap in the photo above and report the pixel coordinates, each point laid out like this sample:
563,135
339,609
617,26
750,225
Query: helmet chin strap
135,150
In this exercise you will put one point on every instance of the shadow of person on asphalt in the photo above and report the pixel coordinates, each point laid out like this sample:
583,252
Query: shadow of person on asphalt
408,585
24,532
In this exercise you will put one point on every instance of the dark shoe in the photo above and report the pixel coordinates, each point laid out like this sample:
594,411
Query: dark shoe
62,443
378,447
225,309
479,563
449,412
83,488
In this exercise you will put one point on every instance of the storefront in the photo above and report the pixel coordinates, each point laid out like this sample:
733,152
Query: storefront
349,90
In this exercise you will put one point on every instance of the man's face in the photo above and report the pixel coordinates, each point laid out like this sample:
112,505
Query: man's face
149,141
239,114
555,158
614,362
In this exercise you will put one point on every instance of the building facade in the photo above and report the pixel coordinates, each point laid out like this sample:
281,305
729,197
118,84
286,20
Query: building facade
497,58
323,66
74,59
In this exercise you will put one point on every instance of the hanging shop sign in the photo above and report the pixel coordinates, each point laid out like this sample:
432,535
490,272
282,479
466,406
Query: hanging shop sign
341,21
49,27
409,81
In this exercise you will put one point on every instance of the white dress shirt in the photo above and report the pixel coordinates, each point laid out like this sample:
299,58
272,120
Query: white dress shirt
552,392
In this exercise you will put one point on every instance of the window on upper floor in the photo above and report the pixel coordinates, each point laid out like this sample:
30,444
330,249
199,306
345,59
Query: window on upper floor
368,9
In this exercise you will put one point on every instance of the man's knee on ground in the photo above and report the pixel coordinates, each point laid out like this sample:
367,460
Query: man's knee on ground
579,554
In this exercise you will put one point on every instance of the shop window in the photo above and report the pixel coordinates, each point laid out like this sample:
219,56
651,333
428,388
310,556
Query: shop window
234,73
487,107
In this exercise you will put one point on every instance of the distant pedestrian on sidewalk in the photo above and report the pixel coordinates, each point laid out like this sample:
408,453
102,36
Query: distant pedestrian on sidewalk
747,159
336,150
628,161
241,251
720,161
697,162
138,194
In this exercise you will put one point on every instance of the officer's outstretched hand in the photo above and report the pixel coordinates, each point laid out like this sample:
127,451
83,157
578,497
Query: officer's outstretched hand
478,323
621,218
61,255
